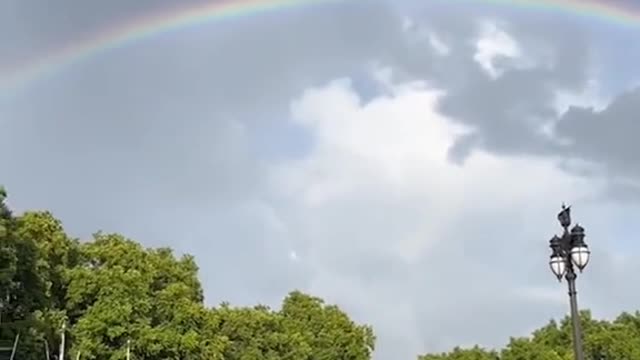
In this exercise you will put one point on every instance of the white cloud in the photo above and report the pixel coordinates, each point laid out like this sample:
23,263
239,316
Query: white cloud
589,97
377,198
438,45
494,43
293,255
407,24
418,34
401,141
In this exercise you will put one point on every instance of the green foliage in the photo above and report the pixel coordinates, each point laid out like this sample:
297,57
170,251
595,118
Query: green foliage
603,340
22,285
111,291
475,353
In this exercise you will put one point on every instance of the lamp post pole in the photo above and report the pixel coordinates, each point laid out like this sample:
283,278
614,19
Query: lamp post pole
569,252
575,315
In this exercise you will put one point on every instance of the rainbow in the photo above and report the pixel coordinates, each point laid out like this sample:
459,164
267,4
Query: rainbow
126,33
123,34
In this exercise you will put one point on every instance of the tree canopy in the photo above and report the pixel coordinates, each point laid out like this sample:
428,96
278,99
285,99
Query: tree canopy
618,339
111,291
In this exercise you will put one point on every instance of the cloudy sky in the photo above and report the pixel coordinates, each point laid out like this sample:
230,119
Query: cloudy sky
405,160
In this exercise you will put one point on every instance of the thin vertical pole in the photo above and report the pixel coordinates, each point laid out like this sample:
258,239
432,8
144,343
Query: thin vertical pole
575,315
46,349
62,345
128,349
15,346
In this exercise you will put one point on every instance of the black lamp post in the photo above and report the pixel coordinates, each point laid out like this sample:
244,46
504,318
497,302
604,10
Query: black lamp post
569,252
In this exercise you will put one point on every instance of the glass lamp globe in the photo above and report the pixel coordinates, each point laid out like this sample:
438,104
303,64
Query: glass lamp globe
580,256
558,266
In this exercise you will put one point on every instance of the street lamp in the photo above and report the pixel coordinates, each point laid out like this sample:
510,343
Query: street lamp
567,253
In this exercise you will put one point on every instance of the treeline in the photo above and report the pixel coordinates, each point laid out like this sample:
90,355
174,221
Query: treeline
603,340
111,291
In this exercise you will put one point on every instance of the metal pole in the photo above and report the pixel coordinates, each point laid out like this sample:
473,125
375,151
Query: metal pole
64,327
15,347
575,315
128,349
46,349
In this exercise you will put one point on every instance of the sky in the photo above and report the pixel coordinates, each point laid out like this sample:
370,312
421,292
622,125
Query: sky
403,159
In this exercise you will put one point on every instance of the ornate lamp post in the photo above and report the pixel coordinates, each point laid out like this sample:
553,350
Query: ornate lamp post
569,252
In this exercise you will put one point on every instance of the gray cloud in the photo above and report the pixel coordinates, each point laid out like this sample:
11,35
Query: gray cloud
157,140
606,137
507,112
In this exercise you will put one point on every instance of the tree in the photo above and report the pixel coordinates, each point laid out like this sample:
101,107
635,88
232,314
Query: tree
327,330
474,353
57,254
603,340
111,292
22,287
120,291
